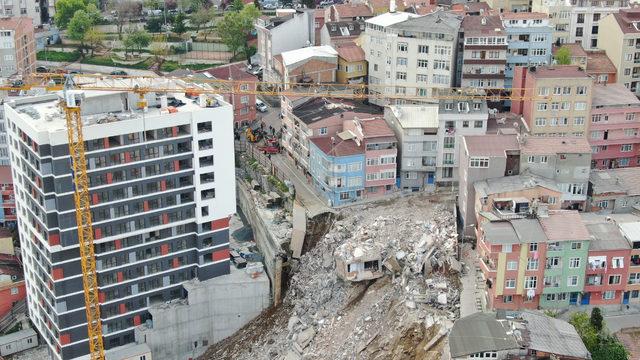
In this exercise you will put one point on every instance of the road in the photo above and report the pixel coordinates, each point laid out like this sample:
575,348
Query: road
617,322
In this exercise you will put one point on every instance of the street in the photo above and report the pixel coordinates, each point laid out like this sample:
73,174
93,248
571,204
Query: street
617,322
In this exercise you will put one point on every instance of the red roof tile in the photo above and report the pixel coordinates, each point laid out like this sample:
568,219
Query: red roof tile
474,25
598,62
339,148
626,18
351,52
564,225
425,9
352,10
471,7
236,71
376,128
555,145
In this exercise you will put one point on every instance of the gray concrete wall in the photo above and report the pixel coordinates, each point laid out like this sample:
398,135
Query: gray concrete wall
213,310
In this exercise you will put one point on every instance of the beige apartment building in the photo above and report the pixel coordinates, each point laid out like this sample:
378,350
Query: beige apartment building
510,5
557,99
622,31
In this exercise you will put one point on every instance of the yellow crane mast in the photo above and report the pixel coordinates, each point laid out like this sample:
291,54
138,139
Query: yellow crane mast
71,104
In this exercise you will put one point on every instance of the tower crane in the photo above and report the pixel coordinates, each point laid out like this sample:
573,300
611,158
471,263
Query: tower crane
71,104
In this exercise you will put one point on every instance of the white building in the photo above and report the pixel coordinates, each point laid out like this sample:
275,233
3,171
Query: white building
576,21
280,34
27,8
408,54
160,207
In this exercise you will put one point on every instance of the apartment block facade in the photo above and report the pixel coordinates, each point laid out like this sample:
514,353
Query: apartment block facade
595,63
410,55
18,52
614,190
623,45
244,105
484,52
631,232
37,11
578,21
160,208
529,41
615,126
557,99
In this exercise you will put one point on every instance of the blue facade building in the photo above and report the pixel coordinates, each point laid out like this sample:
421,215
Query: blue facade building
337,168
529,39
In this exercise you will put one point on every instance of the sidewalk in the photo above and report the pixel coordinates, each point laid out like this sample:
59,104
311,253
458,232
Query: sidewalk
472,299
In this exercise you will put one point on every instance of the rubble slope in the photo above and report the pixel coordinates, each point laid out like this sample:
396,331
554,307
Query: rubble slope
402,315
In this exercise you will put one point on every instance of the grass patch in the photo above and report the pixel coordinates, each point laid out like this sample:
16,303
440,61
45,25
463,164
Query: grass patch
58,56
278,184
170,65
107,61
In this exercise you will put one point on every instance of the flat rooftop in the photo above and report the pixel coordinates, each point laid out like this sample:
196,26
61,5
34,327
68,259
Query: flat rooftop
612,95
558,72
606,236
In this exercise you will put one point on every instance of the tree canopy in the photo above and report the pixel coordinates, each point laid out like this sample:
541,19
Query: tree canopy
137,39
563,56
66,10
235,27
596,319
202,17
178,24
600,344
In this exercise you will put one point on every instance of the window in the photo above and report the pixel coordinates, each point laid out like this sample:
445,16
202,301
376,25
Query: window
557,90
344,195
578,120
530,282
14,291
403,46
576,245
617,262
574,263
541,122
533,247
440,65
634,279
411,175
544,159
479,162
602,204
596,134
532,264
401,76
401,61
449,142
505,299
531,159
543,91
572,280
355,167
581,90
477,124
626,147
580,105
423,49
421,78
423,63
512,265
510,284
630,132
615,279
323,131
552,262
542,106
609,295
596,118
630,116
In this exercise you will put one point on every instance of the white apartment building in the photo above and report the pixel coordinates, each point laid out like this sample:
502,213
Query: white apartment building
456,119
408,54
26,8
576,21
161,195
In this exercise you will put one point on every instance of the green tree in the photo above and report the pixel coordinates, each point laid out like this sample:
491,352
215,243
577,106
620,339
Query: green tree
93,38
309,4
138,40
78,27
235,27
563,56
236,5
66,9
152,4
202,17
159,50
582,323
178,24
94,13
154,24
610,349
596,319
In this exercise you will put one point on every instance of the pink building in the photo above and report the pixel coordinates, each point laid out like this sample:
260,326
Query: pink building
244,105
615,121
607,265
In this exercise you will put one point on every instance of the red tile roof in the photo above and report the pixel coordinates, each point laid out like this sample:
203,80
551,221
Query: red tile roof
236,71
555,145
340,148
376,128
490,145
626,18
598,62
558,71
471,7
524,15
352,10
351,52
13,23
564,225
473,25
425,9
318,13
574,49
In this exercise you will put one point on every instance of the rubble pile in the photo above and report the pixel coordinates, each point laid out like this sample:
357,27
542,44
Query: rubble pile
401,314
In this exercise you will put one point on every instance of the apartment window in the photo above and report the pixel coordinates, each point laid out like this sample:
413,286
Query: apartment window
533,246
542,106
626,147
566,90
617,262
532,264
555,106
423,63
596,118
440,65
574,263
580,18
447,172
579,120
401,90
477,124
447,159
531,159
609,294
512,265
510,284
441,79
596,134
479,162
401,75
557,90
403,46
551,200
422,92
602,204
448,106
530,282
627,71
507,299
543,91
541,122
581,90
634,279
539,52
630,116
421,78
544,159
572,280
579,31
323,131
630,132
576,245
401,61
449,142
580,105
614,279
423,49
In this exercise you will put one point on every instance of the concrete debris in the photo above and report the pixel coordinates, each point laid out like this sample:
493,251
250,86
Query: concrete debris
408,247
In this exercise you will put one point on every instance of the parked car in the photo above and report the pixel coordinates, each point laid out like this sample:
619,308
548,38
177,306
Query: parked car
261,106
42,69
119,72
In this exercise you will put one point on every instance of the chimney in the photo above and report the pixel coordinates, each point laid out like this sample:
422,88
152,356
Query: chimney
483,20
392,6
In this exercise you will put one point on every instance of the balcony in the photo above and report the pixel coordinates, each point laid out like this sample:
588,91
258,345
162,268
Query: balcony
507,209
488,264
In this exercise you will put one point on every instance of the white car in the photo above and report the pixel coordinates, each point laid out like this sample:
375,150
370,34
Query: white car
261,106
